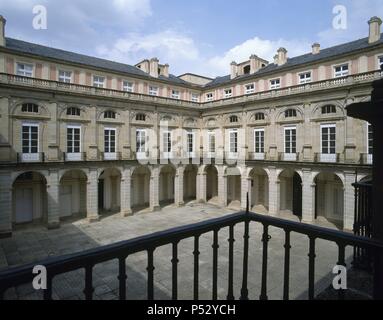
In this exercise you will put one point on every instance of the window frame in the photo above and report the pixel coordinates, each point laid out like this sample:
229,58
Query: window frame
33,108
97,83
65,78
328,154
305,80
176,94
249,91
195,97
77,114
260,149
153,91
293,144
342,73
75,155
211,134
275,86
25,64
227,93
110,112
235,143
127,86
30,155
293,111
108,147
209,96
139,143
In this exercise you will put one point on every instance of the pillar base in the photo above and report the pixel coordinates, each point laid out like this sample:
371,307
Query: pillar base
156,208
53,225
126,213
93,219
181,204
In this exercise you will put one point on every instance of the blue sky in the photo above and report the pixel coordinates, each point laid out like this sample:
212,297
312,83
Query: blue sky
199,36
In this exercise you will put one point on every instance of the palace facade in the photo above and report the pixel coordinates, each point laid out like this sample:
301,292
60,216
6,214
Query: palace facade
82,136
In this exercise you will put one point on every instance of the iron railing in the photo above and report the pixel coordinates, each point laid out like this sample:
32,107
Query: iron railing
87,260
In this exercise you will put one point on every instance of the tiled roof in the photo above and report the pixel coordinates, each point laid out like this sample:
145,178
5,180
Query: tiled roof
71,57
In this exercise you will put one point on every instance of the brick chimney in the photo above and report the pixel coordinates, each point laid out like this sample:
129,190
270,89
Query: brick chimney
276,59
234,71
316,48
166,71
374,32
282,56
153,67
2,31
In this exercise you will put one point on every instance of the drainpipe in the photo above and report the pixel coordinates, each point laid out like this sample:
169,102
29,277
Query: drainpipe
373,113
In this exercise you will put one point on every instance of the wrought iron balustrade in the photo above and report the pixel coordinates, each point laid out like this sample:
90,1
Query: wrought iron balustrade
121,251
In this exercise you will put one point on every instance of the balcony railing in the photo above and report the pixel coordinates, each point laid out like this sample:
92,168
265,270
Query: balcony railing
78,156
366,158
30,157
87,260
288,156
256,156
327,158
111,156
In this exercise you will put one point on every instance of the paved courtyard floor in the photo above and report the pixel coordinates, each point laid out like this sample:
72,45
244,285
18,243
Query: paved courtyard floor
33,244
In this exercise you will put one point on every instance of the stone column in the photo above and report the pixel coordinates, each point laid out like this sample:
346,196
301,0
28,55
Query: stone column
274,190
349,201
92,196
308,197
53,187
245,188
179,187
222,187
126,180
201,187
154,190
53,134
6,153
5,205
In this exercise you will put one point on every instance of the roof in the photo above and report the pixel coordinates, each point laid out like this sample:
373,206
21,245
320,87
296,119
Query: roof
302,60
76,58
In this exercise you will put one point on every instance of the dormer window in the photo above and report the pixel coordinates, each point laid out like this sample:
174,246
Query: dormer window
246,70
109,115
73,111
30,108
227,93
140,117
233,119
275,84
328,109
259,116
99,82
250,88
290,113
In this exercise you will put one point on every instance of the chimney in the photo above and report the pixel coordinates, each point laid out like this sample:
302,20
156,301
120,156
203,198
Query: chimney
374,34
282,56
2,31
166,71
253,64
276,59
316,48
234,71
153,67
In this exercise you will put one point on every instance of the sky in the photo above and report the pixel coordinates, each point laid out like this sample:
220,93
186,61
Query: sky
197,36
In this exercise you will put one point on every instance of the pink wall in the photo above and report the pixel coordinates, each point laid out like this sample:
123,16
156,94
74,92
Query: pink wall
76,77
10,66
88,80
371,63
52,73
39,71
109,82
316,74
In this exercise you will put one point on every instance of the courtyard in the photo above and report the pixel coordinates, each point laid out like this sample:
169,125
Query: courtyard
35,243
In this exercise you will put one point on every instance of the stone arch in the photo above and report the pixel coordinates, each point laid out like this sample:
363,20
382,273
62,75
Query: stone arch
190,182
167,184
140,187
43,109
29,197
234,186
259,189
317,110
281,113
290,192
109,190
211,172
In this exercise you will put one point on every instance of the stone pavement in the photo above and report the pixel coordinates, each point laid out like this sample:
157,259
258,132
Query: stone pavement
36,243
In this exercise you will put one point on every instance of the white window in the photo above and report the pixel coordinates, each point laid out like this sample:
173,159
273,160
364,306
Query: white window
176,94
30,108
341,71
290,143
98,81
110,143
233,148
275,84
370,143
30,142
65,76
250,88
227,93
153,91
127,86
141,146
190,144
328,143
211,140
259,141
167,143
25,70
209,97
195,97
74,143
304,77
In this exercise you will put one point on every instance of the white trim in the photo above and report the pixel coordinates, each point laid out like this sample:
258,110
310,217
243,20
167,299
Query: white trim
305,72
103,83
275,86
63,70
111,155
348,63
377,56
327,157
227,95
290,156
249,91
74,156
25,63
255,143
209,99
153,90
26,157
369,156
129,82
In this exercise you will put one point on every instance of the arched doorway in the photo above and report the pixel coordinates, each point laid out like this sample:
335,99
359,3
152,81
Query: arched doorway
140,188
167,178
290,193
259,193
73,194
329,198
211,184
233,188
109,185
190,183
29,198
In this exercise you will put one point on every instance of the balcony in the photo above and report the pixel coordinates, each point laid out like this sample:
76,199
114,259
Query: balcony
111,156
30,157
73,157
327,158
288,156
256,156
366,159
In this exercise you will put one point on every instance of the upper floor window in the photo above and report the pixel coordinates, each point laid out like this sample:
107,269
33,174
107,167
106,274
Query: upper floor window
380,62
153,91
246,70
259,116
127,86
176,94
140,117
25,70
65,76
233,119
328,109
109,115
370,141
249,88
194,97
341,71
73,111
227,93
275,84
98,81
30,107
290,113
209,96
304,77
